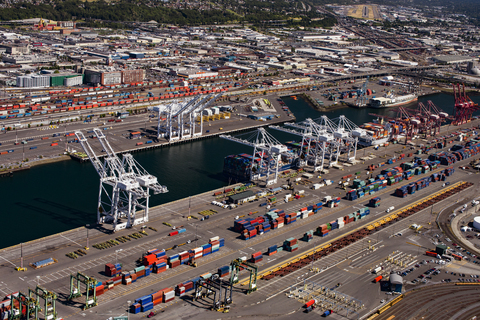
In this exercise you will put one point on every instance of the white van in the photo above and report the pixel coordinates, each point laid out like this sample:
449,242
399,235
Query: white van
390,209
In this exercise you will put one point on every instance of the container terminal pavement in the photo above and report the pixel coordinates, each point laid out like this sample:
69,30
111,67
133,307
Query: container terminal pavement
51,281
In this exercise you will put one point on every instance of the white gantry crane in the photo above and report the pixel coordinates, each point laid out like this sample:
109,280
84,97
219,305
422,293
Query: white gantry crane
124,185
315,141
270,150
347,134
177,113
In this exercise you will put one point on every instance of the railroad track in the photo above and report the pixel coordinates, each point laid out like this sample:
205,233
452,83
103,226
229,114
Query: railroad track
430,302
362,232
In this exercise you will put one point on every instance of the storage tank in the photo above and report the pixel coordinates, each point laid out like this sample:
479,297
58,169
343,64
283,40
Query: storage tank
476,223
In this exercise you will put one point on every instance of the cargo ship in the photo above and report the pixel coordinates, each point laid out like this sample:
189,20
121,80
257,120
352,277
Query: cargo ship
239,166
391,100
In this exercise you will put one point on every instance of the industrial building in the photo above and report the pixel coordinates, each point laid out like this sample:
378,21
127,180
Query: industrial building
59,79
196,73
243,197
396,283
33,81
16,48
96,76
31,58
132,76
73,81
451,59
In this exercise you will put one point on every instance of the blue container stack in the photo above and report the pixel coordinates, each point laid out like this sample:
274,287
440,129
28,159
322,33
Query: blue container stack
135,308
272,250
146,302
206,246
224,271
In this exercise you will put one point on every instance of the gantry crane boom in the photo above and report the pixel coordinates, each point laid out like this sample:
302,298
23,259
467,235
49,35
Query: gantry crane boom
127,180
270,146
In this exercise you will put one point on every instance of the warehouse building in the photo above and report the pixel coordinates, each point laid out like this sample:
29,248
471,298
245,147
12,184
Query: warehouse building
33,81
451,59
14,49
104,78
243,197
73,81
30,58
58,79
132,76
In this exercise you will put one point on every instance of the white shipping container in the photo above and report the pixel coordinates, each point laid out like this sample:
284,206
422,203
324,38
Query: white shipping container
300,191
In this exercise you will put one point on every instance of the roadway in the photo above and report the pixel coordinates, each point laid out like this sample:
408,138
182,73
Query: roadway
55,277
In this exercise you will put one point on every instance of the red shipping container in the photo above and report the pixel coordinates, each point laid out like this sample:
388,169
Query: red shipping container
174,264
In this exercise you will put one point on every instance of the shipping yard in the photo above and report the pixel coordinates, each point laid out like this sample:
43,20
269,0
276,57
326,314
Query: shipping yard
280,256
322,162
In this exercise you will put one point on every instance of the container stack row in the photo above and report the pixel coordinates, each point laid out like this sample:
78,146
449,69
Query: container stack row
156,261
272,250
308,236
290,245
223,271
274,219
332,203
182,288
374,202
391,176
411,188
113,270
147,302
257,257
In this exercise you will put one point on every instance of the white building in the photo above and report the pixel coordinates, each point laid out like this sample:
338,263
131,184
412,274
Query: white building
33,81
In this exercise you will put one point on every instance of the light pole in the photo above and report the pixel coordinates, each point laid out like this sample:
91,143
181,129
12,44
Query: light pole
196,235
87,247
128,305
116,251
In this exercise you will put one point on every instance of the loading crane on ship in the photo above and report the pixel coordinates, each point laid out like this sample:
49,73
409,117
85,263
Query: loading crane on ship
75,289
122,184
313,145
271,151
347,134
